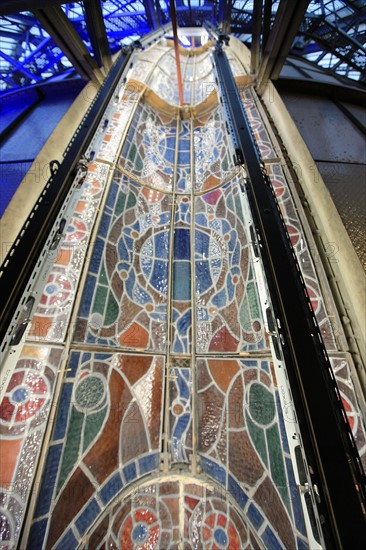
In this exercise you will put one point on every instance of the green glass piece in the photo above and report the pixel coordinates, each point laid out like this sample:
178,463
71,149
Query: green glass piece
258,439
100,299
276,463
89,392
132,152
112,310
93,425
253,300
121,201
261,404
245,320
131,201
71,447
103,278
138,163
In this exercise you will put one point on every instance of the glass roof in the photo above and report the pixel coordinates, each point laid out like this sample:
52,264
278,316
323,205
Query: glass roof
332,34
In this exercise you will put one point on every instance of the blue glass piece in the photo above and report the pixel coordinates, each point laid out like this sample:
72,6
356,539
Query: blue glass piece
220,300
36,535
19,395
235,259
202,243
111,488
68,542
184,323
177,346
50,289
201,219
282,424
255,516
74,363
233,241
165,220
220,537
124,266
112,195
88,294
91,339
237,492
181,281
104,225
97,255
265,367
226,227
159,276
148,463
180,428
170,142
203,276
140,533
181,381
270,540
87,517
62,412
182,244
48,480
295,498
161,244
129,472
184,157
213,470
169,155
141,296
123,252
130,282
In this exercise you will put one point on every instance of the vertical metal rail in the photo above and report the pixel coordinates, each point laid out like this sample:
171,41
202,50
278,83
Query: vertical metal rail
327,436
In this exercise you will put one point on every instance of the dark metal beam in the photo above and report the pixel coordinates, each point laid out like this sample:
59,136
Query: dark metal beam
58,26
288,19
97,32
225,15
256,35
267,15
8,7
150,14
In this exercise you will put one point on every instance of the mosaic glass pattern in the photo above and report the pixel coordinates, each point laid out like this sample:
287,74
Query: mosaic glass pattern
240,416
51,319
180,410
173,512
169,428
107,433
228,312
213,155
124,302
148,152
24,412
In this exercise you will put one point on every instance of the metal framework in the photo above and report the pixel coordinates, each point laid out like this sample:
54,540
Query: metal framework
329,33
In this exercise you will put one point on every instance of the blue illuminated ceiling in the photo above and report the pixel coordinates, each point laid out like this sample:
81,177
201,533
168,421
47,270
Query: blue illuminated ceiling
332,34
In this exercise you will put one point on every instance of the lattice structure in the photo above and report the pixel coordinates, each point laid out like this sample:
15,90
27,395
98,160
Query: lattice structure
332,35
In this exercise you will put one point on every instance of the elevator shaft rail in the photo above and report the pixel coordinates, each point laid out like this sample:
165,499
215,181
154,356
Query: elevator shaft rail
325,431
